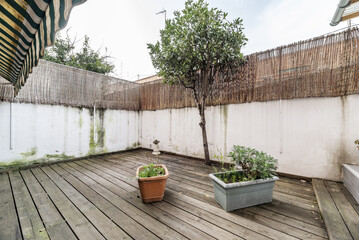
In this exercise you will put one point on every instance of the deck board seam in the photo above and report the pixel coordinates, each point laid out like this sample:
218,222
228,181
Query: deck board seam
193,211
63,217
114,183
156,206
170,188
58,210
32,199
73,204
13,198
105,200
339,210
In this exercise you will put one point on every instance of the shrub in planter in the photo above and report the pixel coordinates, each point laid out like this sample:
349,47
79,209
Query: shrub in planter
152,182
255,164
250,186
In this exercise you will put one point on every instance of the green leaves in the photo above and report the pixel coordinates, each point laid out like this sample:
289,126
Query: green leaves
151,171
255,164
63,53
197,39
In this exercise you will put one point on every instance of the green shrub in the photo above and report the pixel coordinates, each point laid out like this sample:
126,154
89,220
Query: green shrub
357,143
255,164
151,171
232,176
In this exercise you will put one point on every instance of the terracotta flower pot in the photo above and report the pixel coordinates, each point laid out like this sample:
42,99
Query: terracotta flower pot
152,188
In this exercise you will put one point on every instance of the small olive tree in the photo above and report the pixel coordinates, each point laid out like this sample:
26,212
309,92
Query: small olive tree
198,47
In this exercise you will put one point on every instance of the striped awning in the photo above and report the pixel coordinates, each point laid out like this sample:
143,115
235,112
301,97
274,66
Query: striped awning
27,27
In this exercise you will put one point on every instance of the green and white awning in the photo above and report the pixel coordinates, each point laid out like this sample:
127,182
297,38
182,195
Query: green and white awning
27,27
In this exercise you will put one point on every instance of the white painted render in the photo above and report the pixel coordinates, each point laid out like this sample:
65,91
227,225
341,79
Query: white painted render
310,137
34,131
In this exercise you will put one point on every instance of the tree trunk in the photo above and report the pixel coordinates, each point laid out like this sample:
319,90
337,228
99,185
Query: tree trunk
204,134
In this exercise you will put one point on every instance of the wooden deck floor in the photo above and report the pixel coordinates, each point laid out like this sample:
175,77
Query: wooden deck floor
339,210
98,198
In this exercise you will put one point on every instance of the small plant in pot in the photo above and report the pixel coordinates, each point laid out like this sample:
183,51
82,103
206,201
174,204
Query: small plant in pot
253,185
152,182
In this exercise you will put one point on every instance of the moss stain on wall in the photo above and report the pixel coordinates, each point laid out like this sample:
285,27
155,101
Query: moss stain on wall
31,153
100,129
224,114
92,144
341,154
26,162
80,121
133,146
97,145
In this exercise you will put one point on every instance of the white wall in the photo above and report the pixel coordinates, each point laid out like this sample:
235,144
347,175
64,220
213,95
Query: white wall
310,137
40,130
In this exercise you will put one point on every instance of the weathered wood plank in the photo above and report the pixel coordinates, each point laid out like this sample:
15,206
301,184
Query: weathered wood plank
197,222
109,167
102,223
130,226
79,224
56,226
30,221
206,184
296,182
123,168
309,205
9,223
302,226
254,226
334,223
172,159
188,169
219,221
303,190
196,187
201,185
285,187
350,197
187,212
308,190
123,174
139,216
115,185
346,210
175,175
287,229
287,190
295,212
124,178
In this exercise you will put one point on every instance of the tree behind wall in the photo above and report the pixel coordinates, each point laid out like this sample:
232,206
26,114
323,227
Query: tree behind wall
63,52
198,47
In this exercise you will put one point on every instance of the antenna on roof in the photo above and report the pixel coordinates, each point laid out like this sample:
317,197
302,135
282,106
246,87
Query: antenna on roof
163,11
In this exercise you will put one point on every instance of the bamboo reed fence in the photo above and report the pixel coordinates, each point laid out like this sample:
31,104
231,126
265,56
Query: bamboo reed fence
55,84
325,66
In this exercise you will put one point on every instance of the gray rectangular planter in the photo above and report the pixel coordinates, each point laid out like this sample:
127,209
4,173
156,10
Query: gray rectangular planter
351,179
242,194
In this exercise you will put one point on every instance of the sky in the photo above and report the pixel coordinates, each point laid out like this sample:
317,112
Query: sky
124,27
